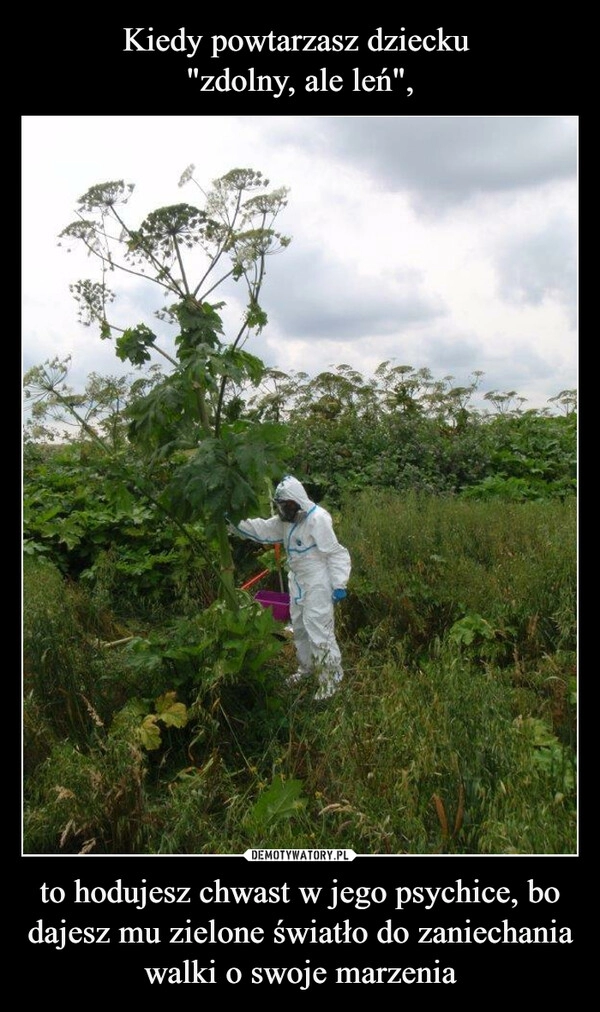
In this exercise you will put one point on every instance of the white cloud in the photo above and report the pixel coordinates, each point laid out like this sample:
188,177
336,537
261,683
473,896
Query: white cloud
445,242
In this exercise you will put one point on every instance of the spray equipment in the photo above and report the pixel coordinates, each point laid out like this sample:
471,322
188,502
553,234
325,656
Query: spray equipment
277,601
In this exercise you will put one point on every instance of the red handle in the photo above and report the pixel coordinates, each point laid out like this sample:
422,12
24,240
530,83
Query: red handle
255,579
259,576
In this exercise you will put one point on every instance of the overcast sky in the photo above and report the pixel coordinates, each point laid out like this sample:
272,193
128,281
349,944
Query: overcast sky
441,242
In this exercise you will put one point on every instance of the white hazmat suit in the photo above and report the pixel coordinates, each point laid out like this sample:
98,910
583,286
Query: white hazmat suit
318,566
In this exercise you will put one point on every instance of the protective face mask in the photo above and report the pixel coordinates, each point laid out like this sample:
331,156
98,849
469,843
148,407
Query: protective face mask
288,511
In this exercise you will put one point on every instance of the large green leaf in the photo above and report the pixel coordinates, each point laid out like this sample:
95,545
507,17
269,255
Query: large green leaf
280,801
133,344
223,475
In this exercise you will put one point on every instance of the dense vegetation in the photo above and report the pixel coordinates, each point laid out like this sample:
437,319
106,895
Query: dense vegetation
156,718
156,721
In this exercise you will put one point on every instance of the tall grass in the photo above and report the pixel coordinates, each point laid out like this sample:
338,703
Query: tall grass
422,563
57,658
454,731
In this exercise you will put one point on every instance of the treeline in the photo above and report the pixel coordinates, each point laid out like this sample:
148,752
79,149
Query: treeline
359,417
405,430
340,433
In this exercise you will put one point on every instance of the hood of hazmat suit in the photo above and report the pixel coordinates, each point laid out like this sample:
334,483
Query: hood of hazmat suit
315,556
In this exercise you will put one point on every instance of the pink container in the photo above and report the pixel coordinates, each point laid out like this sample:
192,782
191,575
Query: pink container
278,603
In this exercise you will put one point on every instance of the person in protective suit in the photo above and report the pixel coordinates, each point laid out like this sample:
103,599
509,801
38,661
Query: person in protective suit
319,569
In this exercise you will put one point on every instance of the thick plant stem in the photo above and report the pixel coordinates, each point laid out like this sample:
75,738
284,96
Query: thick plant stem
227,568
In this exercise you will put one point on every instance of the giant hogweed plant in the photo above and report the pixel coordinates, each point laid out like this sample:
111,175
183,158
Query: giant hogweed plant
187,414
